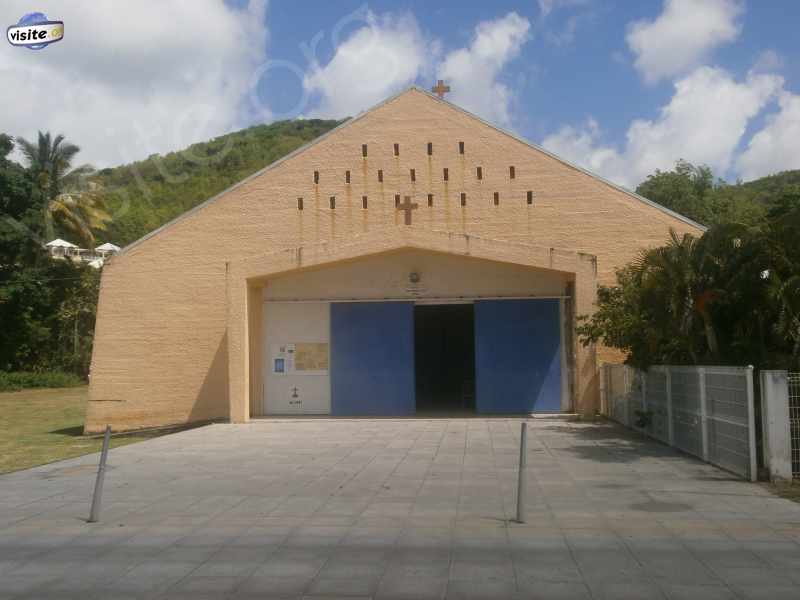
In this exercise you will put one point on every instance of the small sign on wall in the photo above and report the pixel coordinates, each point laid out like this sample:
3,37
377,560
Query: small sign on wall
302,358
282,358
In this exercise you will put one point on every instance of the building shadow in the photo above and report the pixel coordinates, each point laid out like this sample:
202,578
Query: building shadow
211,401
610,443
76,431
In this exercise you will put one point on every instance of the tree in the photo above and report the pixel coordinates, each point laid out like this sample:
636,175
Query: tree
15,213
76,317
730,296
64,193
685,190
784,276
46,306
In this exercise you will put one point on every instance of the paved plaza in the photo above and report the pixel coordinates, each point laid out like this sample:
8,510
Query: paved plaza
392,508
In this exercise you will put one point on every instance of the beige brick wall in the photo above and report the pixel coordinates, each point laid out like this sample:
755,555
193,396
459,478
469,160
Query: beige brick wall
161,346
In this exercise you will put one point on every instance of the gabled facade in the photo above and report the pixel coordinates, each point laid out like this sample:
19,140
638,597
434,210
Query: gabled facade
318,287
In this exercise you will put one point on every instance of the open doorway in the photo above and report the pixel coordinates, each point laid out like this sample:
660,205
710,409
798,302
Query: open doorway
444,357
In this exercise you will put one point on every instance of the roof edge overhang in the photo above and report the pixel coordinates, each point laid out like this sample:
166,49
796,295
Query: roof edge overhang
395,238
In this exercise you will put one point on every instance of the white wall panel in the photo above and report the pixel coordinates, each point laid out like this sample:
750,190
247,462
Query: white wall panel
295,392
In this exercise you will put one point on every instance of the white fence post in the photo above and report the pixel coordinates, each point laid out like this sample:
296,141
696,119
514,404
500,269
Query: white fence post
777,439
751,417
701,373
670,425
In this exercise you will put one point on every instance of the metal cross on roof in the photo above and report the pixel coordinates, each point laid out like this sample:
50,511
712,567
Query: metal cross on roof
440,89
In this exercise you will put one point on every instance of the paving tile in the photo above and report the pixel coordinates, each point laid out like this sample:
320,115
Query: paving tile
641,590
678,591
268,586
356,586
549,590
343,569
480,590
540,567
397,508
767,591
291,565
418,588
206,585
753,576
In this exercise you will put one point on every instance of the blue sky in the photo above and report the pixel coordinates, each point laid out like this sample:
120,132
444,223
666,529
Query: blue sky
559,78
621,87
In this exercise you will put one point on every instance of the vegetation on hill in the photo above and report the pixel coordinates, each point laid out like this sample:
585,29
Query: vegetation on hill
729,296
47,307
692,191
144,195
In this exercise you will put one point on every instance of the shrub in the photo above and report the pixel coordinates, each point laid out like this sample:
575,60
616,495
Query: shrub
19,380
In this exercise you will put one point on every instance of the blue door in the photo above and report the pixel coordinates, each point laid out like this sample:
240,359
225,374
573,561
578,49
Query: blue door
517,356
372,358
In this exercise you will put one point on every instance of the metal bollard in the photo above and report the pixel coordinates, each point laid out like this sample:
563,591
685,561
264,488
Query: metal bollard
94,514
522,483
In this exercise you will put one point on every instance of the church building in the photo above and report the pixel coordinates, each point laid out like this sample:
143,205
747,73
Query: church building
416,260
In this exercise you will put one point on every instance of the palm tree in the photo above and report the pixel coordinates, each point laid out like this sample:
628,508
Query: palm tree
666,277
684,274
65,193
784,274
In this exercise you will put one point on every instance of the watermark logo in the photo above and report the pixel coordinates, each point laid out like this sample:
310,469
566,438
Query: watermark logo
35,31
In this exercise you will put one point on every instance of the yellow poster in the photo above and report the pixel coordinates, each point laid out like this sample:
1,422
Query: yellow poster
310,357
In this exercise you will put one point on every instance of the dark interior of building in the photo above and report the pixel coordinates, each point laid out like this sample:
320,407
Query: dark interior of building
444,351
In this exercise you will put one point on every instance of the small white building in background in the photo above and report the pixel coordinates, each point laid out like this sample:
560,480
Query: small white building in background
107,249
59,248
62,249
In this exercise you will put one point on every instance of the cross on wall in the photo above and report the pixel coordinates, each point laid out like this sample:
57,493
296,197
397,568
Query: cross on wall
407,206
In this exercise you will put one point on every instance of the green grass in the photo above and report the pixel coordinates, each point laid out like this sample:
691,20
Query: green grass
43,426
20,380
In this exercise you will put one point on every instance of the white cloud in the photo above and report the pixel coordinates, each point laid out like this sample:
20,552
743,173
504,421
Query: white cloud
581,145
130,79
472,72
704,123
378,59
776,147
768,61
682,36
389,53
569,31
548,6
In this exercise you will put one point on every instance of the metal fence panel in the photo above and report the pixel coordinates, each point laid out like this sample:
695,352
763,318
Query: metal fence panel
617,394
656,382
794,421
728,407
704,411
636,397
686,419
726,394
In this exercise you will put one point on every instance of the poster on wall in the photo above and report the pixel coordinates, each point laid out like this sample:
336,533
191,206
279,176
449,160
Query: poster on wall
302,358
311,357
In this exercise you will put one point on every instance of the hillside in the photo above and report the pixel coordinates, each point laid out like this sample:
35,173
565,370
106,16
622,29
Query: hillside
767,189
144,195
